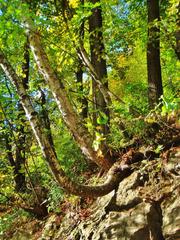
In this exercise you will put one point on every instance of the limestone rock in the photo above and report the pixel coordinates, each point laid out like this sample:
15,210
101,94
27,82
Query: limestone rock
144,207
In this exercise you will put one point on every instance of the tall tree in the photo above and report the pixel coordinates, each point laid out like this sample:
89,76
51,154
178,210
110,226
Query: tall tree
69,114
98,61
67,13
116,174
72,120
155,88
21,142
16,136
79,75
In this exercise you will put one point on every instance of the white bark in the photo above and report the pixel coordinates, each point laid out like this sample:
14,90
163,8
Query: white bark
115,174
72,120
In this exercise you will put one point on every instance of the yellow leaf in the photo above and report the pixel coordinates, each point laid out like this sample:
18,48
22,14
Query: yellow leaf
74,3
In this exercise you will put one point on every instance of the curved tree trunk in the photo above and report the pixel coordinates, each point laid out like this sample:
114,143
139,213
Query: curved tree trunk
115,175
72,120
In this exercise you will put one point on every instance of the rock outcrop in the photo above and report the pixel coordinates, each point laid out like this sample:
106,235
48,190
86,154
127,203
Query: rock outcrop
144,206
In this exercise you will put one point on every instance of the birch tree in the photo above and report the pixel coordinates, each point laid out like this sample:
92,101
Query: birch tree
116,174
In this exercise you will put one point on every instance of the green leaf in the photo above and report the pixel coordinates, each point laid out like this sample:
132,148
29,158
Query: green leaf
102,119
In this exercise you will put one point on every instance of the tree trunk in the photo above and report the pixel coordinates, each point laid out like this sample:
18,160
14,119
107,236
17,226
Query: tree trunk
70,117
45,118
99,63
79,76
20,178
115,175
153,54
83,101
16,164
177,34
16,157
67,14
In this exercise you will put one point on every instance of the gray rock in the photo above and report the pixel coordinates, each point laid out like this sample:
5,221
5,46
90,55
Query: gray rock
142,208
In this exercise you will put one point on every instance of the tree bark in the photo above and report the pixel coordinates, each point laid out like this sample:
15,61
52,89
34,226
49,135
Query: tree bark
72,120
98,61
67,14
45,118
20,178
79,76
82,99
16,163
116,174
177,34
155,89
16,157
